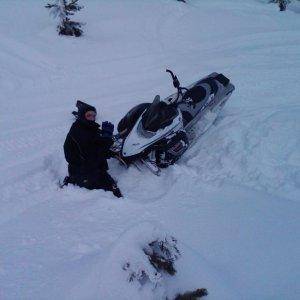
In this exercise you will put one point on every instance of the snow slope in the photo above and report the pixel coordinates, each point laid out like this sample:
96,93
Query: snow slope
232,201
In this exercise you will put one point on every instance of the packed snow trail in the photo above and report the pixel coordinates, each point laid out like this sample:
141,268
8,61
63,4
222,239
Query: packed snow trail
233,199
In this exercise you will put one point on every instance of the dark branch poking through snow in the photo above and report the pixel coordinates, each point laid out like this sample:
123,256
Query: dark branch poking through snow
194,295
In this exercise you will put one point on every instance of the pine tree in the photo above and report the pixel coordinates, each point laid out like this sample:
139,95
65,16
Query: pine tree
281,3
62,9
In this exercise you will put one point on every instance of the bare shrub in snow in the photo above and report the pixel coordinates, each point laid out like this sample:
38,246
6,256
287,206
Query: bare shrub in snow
62,9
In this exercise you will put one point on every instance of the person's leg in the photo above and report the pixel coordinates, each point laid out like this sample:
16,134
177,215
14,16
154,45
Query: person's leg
109,184
75,177
102,180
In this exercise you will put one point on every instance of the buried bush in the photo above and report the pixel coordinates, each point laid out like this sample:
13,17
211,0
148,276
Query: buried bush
155,262
159,257
162,254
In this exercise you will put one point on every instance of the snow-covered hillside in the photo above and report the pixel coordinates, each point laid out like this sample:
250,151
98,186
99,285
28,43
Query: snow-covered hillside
232,201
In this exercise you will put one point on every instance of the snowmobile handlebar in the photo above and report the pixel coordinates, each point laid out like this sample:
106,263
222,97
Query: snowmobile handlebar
176,84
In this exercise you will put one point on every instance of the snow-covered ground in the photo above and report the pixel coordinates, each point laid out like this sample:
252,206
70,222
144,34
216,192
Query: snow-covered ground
232,201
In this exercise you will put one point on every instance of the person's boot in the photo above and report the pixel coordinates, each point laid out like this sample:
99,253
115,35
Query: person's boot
65,182
116,191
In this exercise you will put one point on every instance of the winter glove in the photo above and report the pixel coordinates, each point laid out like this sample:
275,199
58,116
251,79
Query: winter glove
111,153
107,129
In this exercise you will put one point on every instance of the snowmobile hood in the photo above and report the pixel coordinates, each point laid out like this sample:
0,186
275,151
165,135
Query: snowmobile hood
139,140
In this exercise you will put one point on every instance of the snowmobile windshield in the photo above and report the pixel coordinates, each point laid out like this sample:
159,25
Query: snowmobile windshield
158,116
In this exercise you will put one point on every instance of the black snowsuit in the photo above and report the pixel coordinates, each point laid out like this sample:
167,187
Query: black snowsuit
86,151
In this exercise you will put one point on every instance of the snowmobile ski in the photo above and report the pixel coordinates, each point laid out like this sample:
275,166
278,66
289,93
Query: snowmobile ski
151,165
142,165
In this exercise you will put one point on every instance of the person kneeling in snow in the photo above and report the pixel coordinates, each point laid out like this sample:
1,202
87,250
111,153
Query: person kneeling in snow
87,149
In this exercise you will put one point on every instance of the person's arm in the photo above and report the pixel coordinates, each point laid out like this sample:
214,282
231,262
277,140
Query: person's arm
105,139
72,150
104,144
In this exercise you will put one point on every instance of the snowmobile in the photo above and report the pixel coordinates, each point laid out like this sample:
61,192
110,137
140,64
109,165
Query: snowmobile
157,134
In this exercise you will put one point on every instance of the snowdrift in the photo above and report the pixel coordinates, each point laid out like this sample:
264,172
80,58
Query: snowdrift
232,201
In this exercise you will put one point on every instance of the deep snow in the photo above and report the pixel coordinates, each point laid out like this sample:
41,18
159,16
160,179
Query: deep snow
232,201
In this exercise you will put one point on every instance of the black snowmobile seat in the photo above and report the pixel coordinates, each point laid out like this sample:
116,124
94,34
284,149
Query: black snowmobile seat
212,84
211,81
222,79
196,93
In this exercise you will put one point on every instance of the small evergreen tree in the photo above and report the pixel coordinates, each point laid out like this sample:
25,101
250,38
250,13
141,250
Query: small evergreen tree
281,3
62,9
